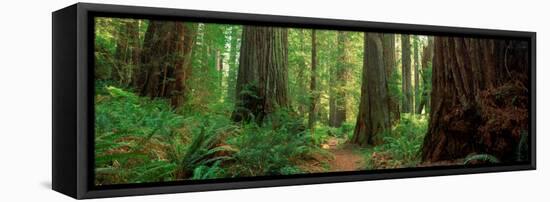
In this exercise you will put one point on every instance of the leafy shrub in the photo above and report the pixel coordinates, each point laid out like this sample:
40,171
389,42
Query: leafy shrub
129,136
208,172
270,150
477,158
322,134
139,139
206,147
401,148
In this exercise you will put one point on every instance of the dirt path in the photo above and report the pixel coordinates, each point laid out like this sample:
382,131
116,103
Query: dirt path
345,158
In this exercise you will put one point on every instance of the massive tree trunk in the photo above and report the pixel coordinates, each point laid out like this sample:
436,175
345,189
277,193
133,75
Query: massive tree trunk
427,57
479,102
406,74
374,115
182,68
263,73
339,96
165,60
313,84
389,63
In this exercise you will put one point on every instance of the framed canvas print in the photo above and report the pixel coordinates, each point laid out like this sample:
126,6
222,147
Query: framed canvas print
156,100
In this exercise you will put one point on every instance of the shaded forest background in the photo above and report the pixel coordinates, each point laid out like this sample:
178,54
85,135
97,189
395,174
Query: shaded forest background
185,100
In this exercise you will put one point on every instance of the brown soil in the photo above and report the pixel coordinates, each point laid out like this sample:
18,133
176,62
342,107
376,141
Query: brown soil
345,157
337,158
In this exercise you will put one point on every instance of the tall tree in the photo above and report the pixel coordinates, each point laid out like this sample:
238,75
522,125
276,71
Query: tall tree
263,73
121,52
469,113
165,58
233,62
301,81
135,49
313,84
127,50
389,63
339,96
374,114
416,72
182,67
219,67
406,74
427,56
141,76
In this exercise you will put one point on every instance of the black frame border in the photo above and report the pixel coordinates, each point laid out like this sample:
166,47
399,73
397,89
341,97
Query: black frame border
85,13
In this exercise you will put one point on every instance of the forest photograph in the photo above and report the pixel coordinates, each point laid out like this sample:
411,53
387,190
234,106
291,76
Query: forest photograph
179,101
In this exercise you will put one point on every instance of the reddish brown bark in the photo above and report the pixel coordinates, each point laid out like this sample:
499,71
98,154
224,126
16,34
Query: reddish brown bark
166,60
263,73
373,118
389,63
406,85
182,67
479,99
313,84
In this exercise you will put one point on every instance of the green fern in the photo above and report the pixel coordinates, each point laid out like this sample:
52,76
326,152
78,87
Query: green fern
481,157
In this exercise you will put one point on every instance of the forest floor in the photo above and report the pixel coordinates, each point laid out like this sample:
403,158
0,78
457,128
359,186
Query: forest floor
345,158
339,156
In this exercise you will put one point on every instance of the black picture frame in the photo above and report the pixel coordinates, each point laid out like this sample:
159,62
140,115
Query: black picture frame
73,100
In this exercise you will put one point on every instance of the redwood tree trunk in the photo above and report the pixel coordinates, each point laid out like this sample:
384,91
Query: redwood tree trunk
479,102
313,84
389,63
416,64
406,73
263,73
182,68
135,50
165,60
141,77
373,118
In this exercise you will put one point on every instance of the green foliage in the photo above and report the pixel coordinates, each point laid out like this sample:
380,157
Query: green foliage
144,140
127,125
324,132
480,157
268,150
522,151
401,148
394,85
201,152
208,172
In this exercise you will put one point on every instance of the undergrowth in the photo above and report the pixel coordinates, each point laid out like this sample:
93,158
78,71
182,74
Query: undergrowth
401,147
138,139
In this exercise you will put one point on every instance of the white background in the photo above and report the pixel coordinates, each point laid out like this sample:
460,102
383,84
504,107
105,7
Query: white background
25,102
